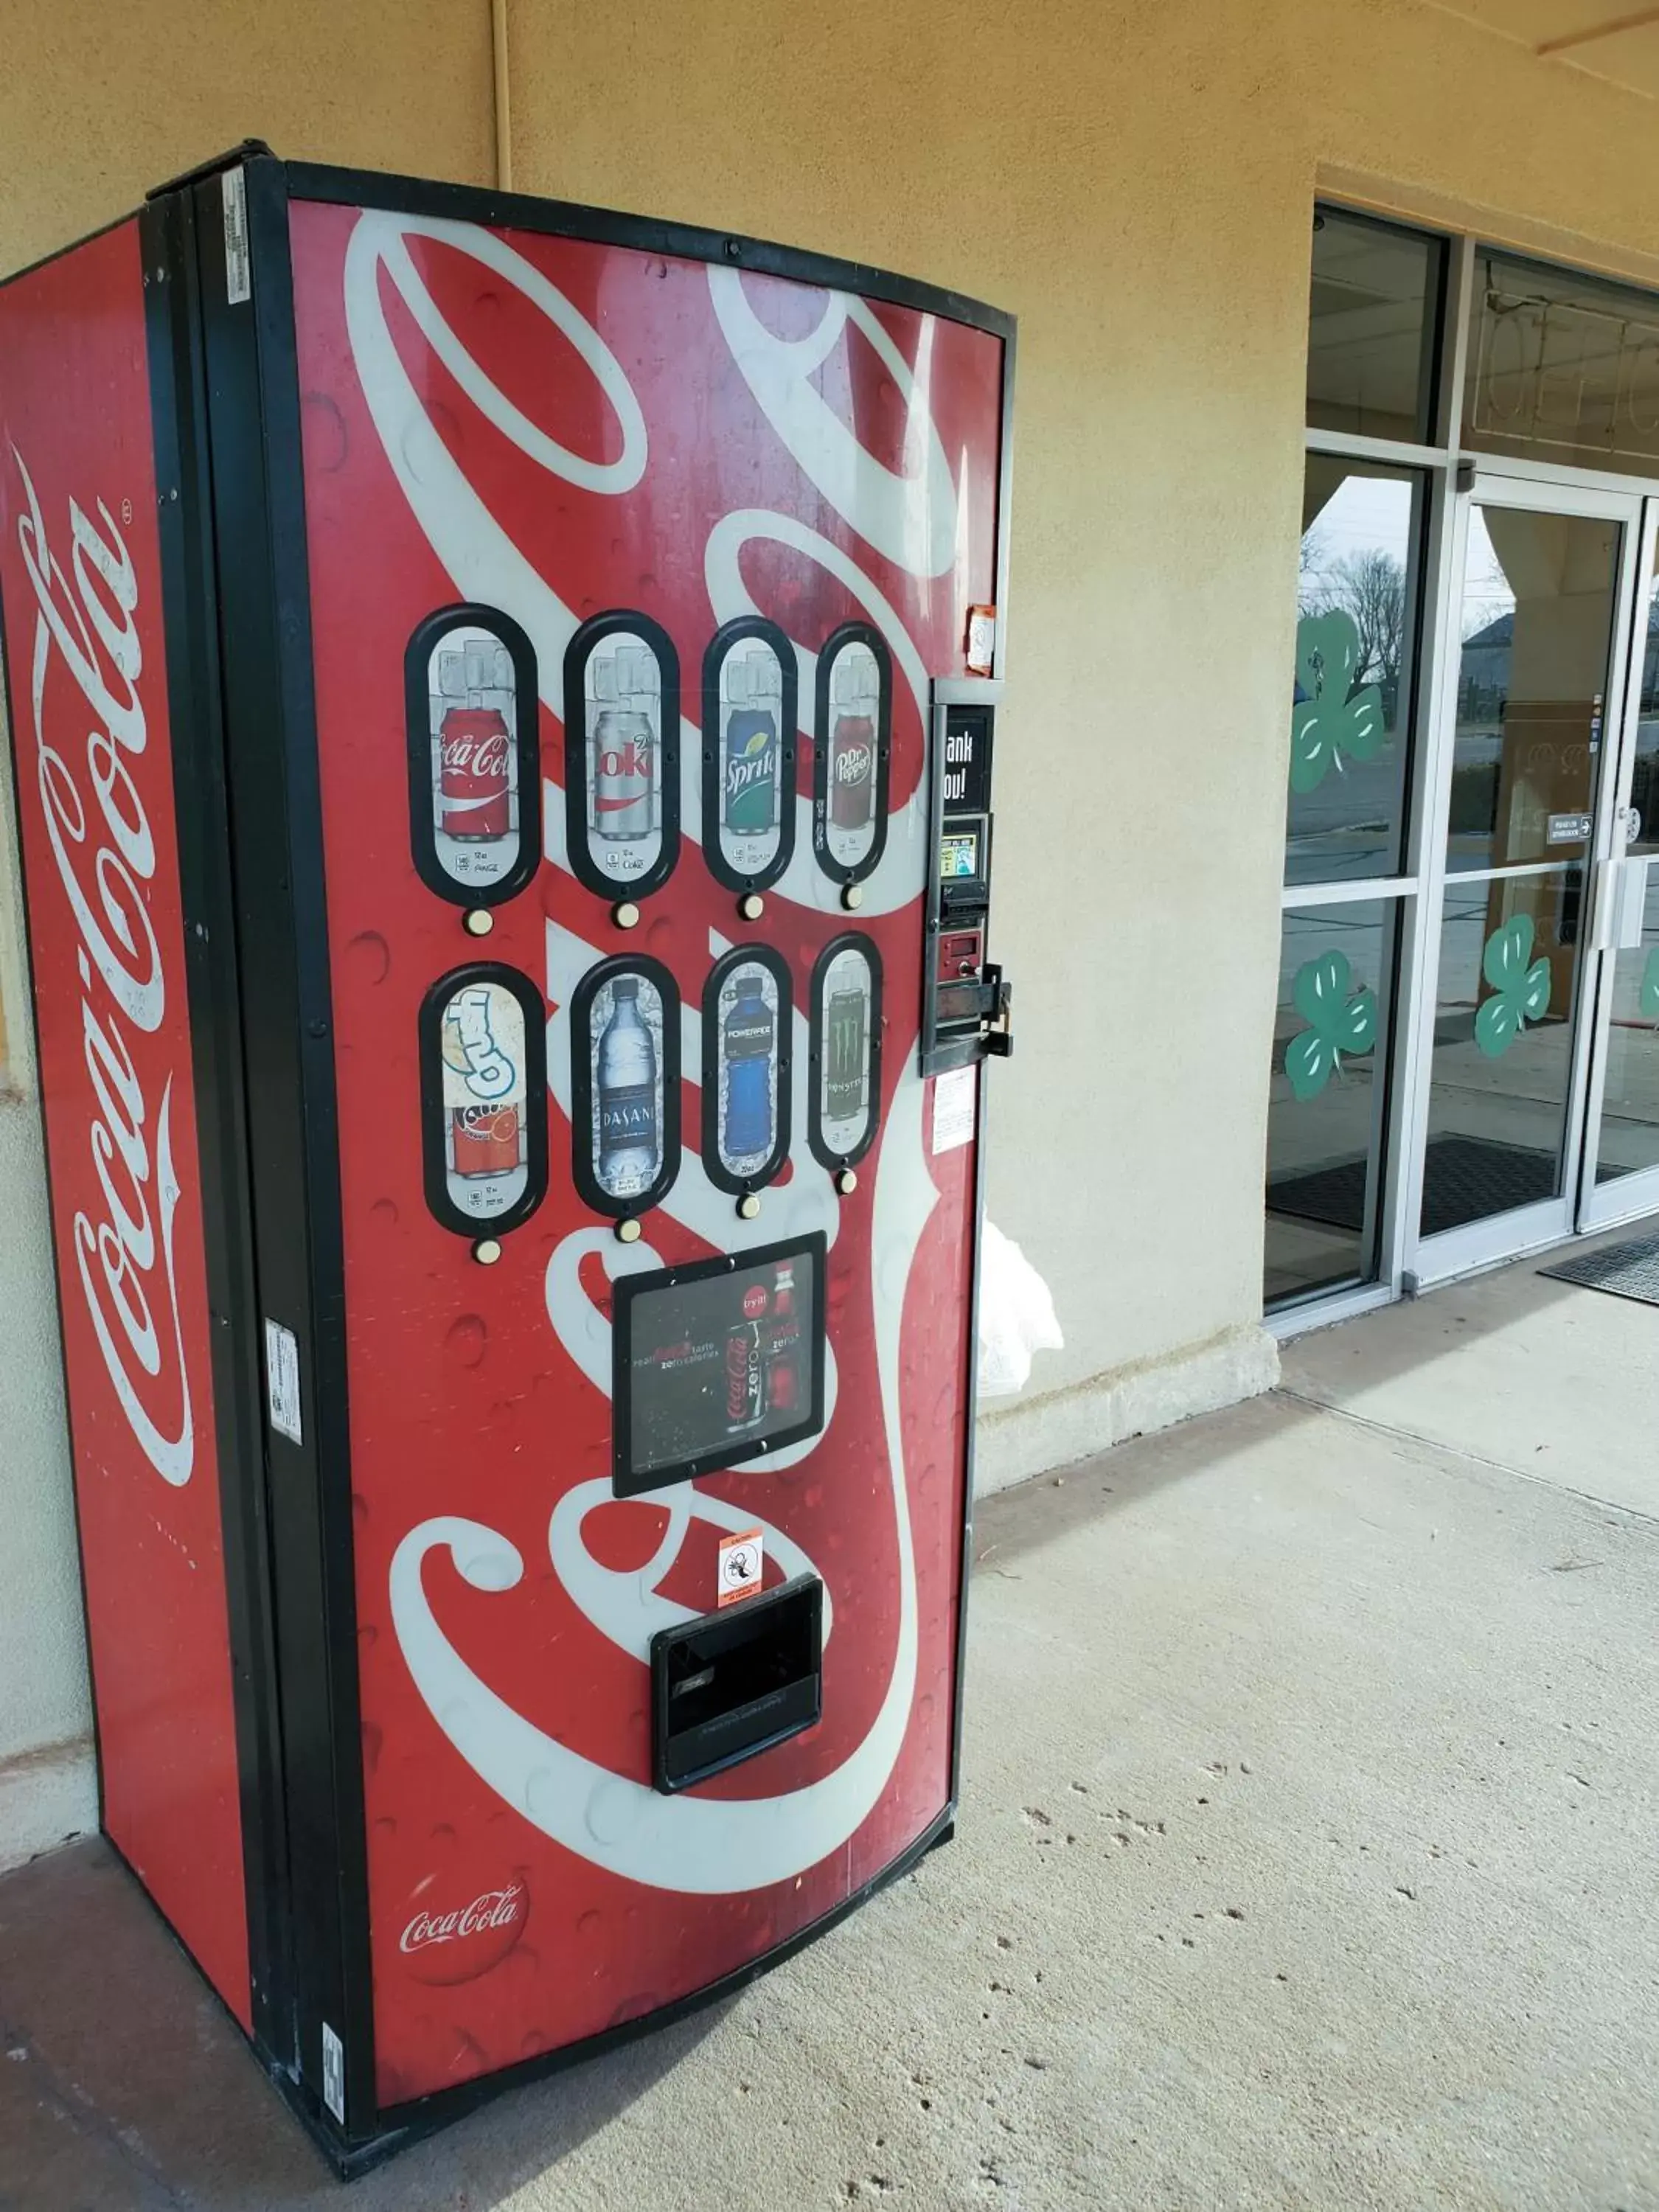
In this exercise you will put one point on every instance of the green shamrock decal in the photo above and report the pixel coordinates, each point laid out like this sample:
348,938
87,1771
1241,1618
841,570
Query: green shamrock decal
1328,723
1336,1023
1650,986
1520,993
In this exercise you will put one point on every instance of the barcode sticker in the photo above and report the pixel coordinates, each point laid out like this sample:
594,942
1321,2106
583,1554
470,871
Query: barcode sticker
237,278
283,1381
334,2073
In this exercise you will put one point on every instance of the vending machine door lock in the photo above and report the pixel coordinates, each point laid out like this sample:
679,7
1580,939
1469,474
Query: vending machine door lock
964,1000
1000,1029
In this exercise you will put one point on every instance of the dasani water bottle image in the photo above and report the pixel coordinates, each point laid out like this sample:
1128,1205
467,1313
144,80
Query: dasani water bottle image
628,1137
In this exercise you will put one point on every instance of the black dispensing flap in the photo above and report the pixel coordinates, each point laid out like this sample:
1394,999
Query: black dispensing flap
733,1683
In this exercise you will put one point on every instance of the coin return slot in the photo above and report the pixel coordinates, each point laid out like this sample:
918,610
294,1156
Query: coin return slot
732,1683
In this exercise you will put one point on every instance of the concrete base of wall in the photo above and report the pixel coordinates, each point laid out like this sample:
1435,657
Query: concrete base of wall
1027,1436
47,1798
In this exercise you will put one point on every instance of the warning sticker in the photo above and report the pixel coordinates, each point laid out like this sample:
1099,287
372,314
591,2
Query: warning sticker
956,1101
283,1381
237,280
738,1572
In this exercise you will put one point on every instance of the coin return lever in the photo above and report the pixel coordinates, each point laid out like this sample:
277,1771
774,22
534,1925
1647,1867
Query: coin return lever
965,1001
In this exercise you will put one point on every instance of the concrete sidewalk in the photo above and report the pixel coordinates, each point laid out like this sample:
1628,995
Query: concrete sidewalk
1306,1860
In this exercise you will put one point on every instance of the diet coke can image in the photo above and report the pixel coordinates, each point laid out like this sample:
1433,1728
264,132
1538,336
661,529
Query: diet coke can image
624,686
624,782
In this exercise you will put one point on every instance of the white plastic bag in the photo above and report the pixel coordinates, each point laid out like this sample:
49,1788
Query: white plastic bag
1016,1315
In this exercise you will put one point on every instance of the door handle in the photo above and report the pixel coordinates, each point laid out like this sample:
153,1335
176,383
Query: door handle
1622,907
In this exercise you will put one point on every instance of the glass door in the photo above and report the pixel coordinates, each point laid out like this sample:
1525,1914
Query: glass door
1524,772
1620,1174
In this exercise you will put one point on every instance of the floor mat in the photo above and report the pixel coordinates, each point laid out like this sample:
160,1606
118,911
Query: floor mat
1465,1179
1630,1270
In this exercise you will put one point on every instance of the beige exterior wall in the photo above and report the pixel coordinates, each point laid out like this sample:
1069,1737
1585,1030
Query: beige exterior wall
1134,182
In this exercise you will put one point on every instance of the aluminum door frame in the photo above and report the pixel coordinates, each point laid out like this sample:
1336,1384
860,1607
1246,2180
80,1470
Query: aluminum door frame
1431,1260
1602,1205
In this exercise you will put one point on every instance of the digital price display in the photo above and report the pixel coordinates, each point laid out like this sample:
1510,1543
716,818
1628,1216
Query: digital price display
958,856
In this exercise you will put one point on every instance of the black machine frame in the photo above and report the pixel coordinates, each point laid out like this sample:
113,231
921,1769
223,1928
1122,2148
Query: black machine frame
226,424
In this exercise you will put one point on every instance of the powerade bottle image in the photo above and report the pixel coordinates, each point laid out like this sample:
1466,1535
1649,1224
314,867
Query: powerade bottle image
631,1143
748,1041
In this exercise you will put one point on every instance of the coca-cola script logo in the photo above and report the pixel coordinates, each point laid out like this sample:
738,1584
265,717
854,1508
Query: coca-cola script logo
458,1944
484,756
106,857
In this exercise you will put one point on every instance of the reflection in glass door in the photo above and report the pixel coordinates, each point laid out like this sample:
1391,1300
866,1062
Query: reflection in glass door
1621,1176
1352,698
1523,761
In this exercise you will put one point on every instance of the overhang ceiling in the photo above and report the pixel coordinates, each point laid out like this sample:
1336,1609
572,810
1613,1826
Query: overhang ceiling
1618,43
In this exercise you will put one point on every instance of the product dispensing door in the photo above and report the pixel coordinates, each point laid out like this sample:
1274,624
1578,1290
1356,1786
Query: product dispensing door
569,656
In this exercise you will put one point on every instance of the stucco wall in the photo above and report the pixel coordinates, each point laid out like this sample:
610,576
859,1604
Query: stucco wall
1135,183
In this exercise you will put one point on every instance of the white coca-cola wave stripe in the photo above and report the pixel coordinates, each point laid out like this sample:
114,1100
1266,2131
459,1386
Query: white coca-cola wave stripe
487,567
697,1846
627,1605
95,636
912,518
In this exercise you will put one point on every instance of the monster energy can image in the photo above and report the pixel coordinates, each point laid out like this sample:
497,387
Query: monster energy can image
845,1057
845,1007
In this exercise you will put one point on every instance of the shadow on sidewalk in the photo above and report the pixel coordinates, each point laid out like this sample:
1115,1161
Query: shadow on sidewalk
1049,1507
126,2087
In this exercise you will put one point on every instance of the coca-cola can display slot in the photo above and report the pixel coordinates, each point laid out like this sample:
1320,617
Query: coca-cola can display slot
474,778
476,785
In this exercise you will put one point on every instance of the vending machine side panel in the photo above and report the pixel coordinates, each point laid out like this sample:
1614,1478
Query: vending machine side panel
591,505
81,579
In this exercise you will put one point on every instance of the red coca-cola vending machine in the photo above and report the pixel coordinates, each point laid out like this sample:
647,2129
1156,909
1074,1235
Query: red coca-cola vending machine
503,700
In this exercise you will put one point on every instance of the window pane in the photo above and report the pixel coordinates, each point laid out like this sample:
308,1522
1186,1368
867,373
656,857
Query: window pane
1630,1102
1537,602
1373,318
1502,1066
1325,1098
1562,367
1355,648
